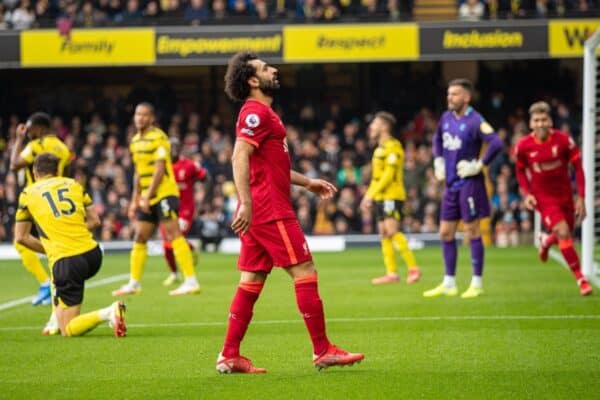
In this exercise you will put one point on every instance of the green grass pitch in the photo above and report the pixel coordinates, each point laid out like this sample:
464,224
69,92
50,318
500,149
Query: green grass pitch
530,336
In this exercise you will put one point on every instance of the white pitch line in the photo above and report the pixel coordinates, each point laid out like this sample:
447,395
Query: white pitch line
358,319
100,282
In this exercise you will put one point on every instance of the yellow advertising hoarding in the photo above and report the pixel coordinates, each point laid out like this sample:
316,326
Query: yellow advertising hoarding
87,47
339,43
567,37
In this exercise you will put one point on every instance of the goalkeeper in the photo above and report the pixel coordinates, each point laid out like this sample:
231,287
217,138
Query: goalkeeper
457,143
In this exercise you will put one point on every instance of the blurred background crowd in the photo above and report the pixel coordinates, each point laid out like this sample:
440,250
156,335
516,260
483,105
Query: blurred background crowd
329,142
26,14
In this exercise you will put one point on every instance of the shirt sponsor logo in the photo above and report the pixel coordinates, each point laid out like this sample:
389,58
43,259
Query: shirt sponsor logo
450,142
547,166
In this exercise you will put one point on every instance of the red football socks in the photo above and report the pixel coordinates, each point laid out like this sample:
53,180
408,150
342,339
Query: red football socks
311,308
571,257
240,315
170,257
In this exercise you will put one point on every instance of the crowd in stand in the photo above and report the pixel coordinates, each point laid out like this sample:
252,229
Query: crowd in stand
25,14
330,145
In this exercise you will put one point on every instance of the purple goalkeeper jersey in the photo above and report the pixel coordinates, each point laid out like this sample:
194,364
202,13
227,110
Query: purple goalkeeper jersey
457,139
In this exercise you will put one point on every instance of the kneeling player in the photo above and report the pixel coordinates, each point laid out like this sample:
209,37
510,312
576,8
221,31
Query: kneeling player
61,210
547,153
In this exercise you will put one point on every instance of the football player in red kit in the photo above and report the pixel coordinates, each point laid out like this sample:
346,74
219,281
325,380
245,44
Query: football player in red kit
543,159
265,220
186,173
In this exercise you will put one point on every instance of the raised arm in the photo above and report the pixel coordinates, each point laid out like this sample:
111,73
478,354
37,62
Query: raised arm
16,161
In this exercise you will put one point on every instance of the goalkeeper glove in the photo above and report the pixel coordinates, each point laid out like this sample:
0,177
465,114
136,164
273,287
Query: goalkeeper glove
466,168
439,168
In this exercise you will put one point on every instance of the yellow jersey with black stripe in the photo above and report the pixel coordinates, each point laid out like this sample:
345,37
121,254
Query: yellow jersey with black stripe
146,149
45,144
57,208
387,182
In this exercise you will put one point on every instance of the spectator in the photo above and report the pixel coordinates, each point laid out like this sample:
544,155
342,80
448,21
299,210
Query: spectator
172,11
23,17
130,16
219,10
3,19
330,10
195,14
471,10
89,17
348,173
42,13
151,13
262,10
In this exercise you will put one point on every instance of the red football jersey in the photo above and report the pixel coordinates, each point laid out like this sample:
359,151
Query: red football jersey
186,173
548,166
270,164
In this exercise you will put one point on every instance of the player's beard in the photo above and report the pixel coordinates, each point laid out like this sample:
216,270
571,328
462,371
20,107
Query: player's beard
269,87
456,107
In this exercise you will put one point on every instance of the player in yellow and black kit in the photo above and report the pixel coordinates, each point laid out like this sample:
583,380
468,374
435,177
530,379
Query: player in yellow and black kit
387,191
155,200
60,209
41,140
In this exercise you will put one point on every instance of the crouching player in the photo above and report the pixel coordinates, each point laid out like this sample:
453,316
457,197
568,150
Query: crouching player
61,211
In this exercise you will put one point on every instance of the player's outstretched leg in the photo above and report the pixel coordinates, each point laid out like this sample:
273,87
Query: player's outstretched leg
477,257
448,286
546,241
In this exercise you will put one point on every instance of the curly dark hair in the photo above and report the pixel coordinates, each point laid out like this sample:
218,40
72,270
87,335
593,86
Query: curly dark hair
239,70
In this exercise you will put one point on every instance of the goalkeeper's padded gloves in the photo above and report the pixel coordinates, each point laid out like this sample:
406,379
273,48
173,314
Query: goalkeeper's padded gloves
439,168
466,168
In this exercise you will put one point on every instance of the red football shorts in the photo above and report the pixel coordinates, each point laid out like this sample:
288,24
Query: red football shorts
554,212
281,243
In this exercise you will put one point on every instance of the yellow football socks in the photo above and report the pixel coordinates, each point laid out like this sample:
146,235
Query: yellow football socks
389,256
83,323
137,260
405,251
32,263
183,256
485,225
